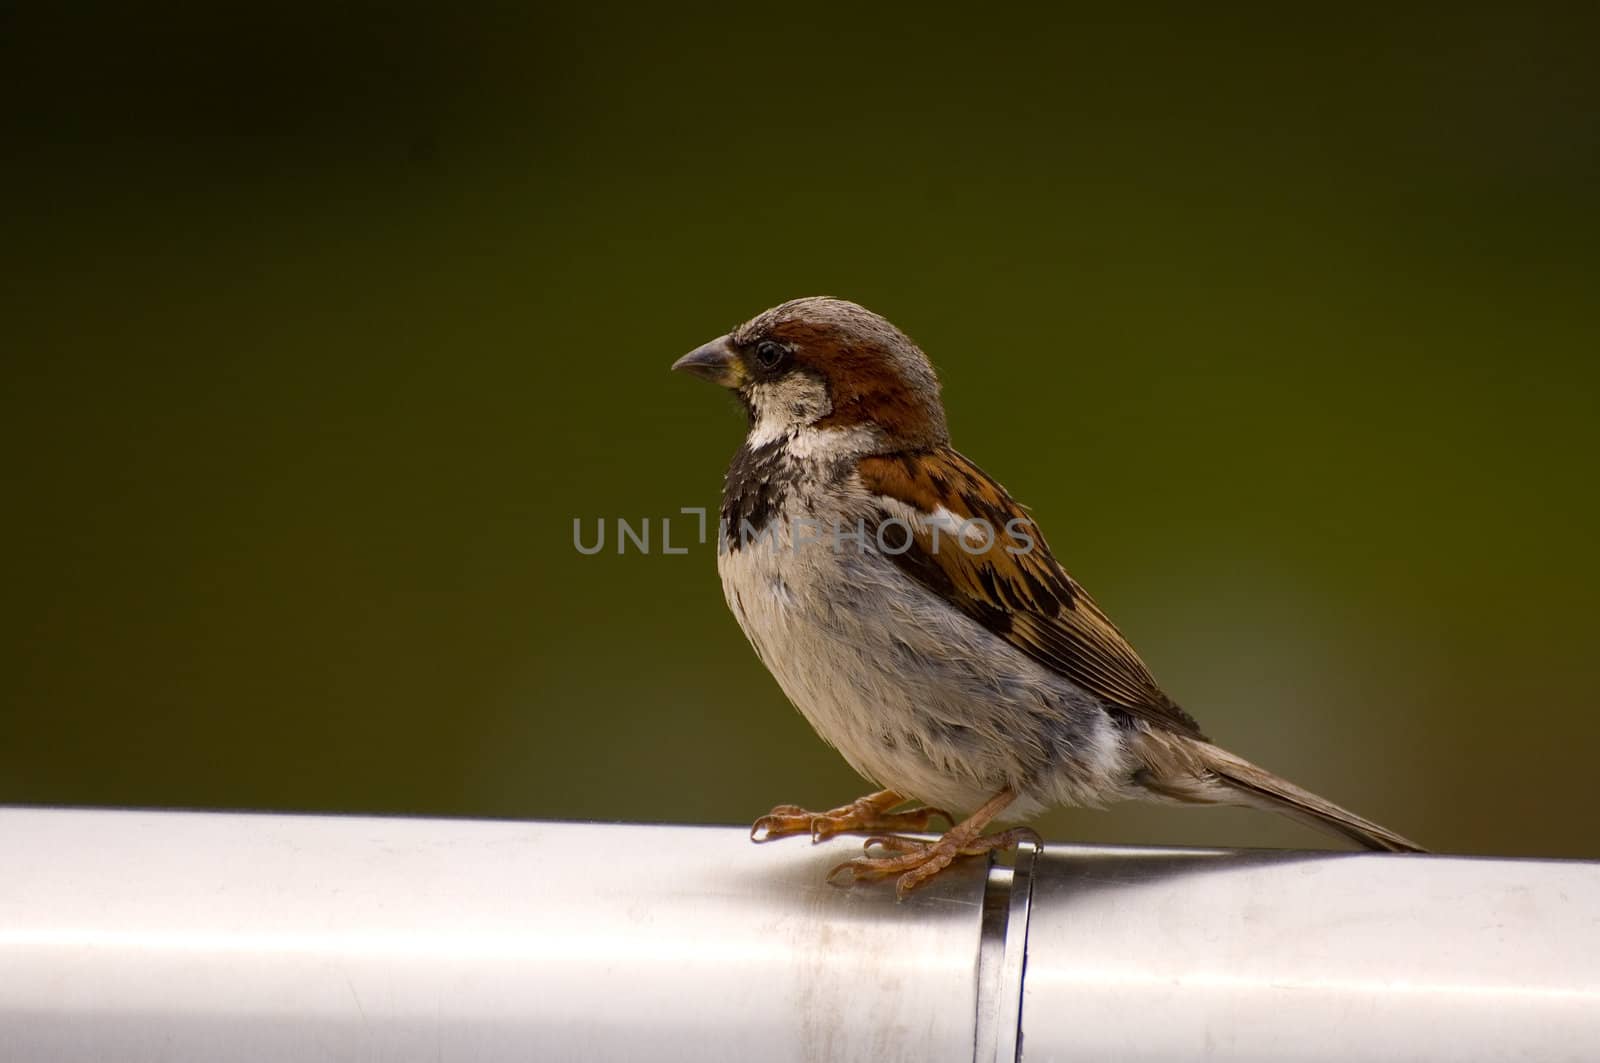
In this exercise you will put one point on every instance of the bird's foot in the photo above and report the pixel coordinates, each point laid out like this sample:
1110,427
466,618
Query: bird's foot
917,861
870,813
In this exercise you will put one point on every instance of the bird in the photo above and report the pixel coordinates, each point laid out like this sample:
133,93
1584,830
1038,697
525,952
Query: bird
915,615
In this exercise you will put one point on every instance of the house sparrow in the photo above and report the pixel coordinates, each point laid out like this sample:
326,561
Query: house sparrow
916,617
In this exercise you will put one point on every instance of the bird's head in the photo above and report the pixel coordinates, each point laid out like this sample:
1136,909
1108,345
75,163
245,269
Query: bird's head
820,364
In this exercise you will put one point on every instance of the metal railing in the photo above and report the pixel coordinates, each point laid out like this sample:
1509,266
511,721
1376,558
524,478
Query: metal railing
196,936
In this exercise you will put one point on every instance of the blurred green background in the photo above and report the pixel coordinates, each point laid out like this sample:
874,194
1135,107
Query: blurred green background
322,326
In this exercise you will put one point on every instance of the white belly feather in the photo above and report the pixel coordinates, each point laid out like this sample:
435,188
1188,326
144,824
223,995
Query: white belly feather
914,695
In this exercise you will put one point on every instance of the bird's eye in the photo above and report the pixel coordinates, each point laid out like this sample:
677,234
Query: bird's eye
769,353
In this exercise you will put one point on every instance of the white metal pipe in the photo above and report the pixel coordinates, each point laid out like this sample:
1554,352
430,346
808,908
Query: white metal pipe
185,936
1147,955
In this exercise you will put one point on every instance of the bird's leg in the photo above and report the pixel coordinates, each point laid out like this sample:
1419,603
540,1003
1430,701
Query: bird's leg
917,861
870,813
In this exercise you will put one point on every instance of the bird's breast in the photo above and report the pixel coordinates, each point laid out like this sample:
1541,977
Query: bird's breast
912,692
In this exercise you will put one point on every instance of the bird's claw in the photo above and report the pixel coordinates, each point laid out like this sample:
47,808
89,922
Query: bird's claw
787,820
780,823
918,861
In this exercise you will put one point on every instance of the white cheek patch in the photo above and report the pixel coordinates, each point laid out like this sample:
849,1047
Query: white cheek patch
784,406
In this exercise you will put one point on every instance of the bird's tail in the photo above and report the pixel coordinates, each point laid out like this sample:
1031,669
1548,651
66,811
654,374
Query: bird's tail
1241,782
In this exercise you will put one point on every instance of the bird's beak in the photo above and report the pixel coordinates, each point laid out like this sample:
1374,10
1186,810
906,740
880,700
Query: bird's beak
714,361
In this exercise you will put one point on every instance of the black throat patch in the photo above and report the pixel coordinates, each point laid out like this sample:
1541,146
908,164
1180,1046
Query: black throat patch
758,484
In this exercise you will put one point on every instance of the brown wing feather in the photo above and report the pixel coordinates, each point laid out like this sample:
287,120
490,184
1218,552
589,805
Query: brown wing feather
1014,587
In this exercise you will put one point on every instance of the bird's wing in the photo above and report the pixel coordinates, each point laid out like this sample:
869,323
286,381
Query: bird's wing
1013,587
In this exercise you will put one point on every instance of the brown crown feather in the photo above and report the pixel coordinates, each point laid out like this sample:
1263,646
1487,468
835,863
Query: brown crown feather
875,373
